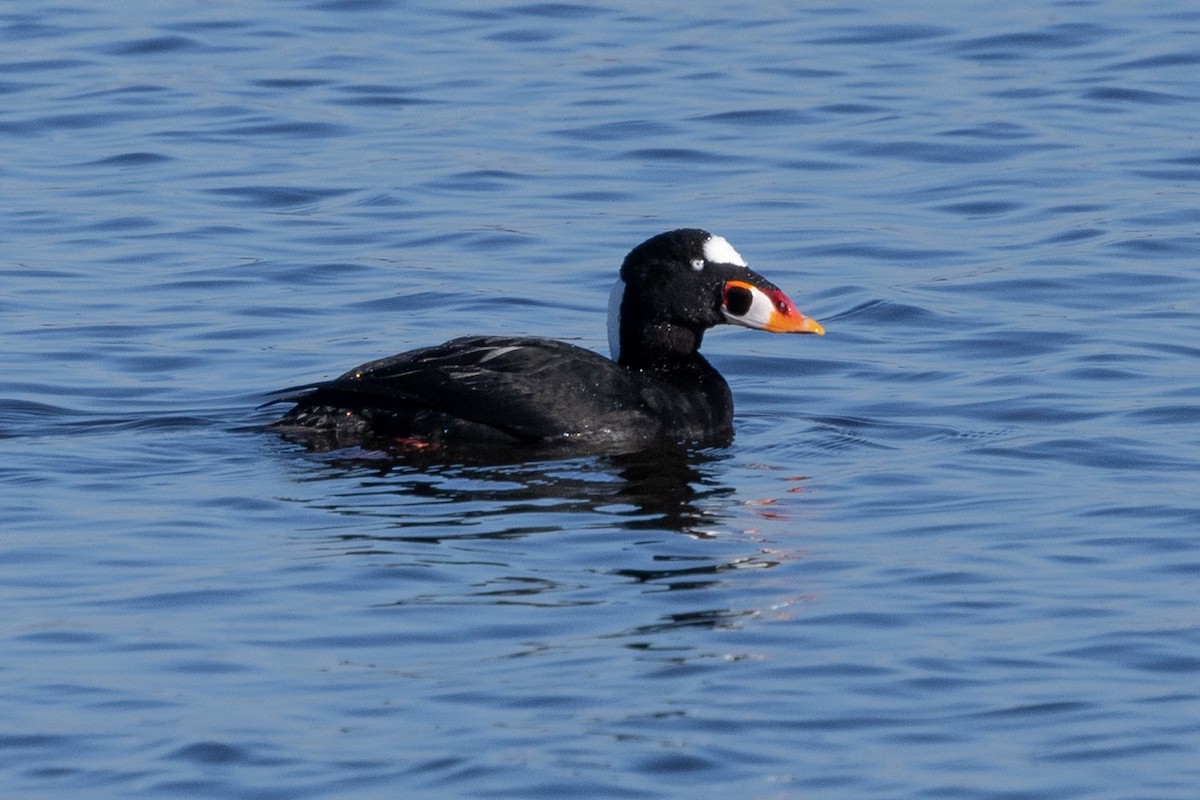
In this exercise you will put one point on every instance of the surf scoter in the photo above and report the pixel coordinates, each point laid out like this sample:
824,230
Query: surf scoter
515,391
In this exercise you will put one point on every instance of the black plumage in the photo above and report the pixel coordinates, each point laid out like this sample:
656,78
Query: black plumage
519,391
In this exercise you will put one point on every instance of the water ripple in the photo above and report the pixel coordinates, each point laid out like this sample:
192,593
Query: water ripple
953,538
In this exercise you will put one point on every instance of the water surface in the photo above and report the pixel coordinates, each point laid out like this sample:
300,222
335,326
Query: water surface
952,552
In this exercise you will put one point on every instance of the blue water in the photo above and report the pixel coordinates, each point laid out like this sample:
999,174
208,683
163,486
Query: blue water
953,552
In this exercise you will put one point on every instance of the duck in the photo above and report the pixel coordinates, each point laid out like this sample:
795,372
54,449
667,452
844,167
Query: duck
513,392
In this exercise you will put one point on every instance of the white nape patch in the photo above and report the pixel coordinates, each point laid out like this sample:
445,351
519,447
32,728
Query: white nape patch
719,251
615,298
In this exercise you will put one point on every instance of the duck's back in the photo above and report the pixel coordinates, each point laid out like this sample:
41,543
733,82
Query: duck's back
509,390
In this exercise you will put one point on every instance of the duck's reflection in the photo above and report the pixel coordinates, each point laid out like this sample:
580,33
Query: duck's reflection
670,488
629,510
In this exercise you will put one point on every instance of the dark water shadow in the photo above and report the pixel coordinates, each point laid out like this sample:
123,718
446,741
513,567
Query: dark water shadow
615,535
665,488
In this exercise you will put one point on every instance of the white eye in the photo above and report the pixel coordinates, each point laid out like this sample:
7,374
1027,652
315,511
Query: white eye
697,264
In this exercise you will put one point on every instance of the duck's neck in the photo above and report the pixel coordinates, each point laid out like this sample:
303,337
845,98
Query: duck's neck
660,346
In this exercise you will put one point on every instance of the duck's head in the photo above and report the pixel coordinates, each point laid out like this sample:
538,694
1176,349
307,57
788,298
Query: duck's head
676,285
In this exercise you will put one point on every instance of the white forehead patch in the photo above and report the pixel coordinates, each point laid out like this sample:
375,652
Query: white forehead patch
719,251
